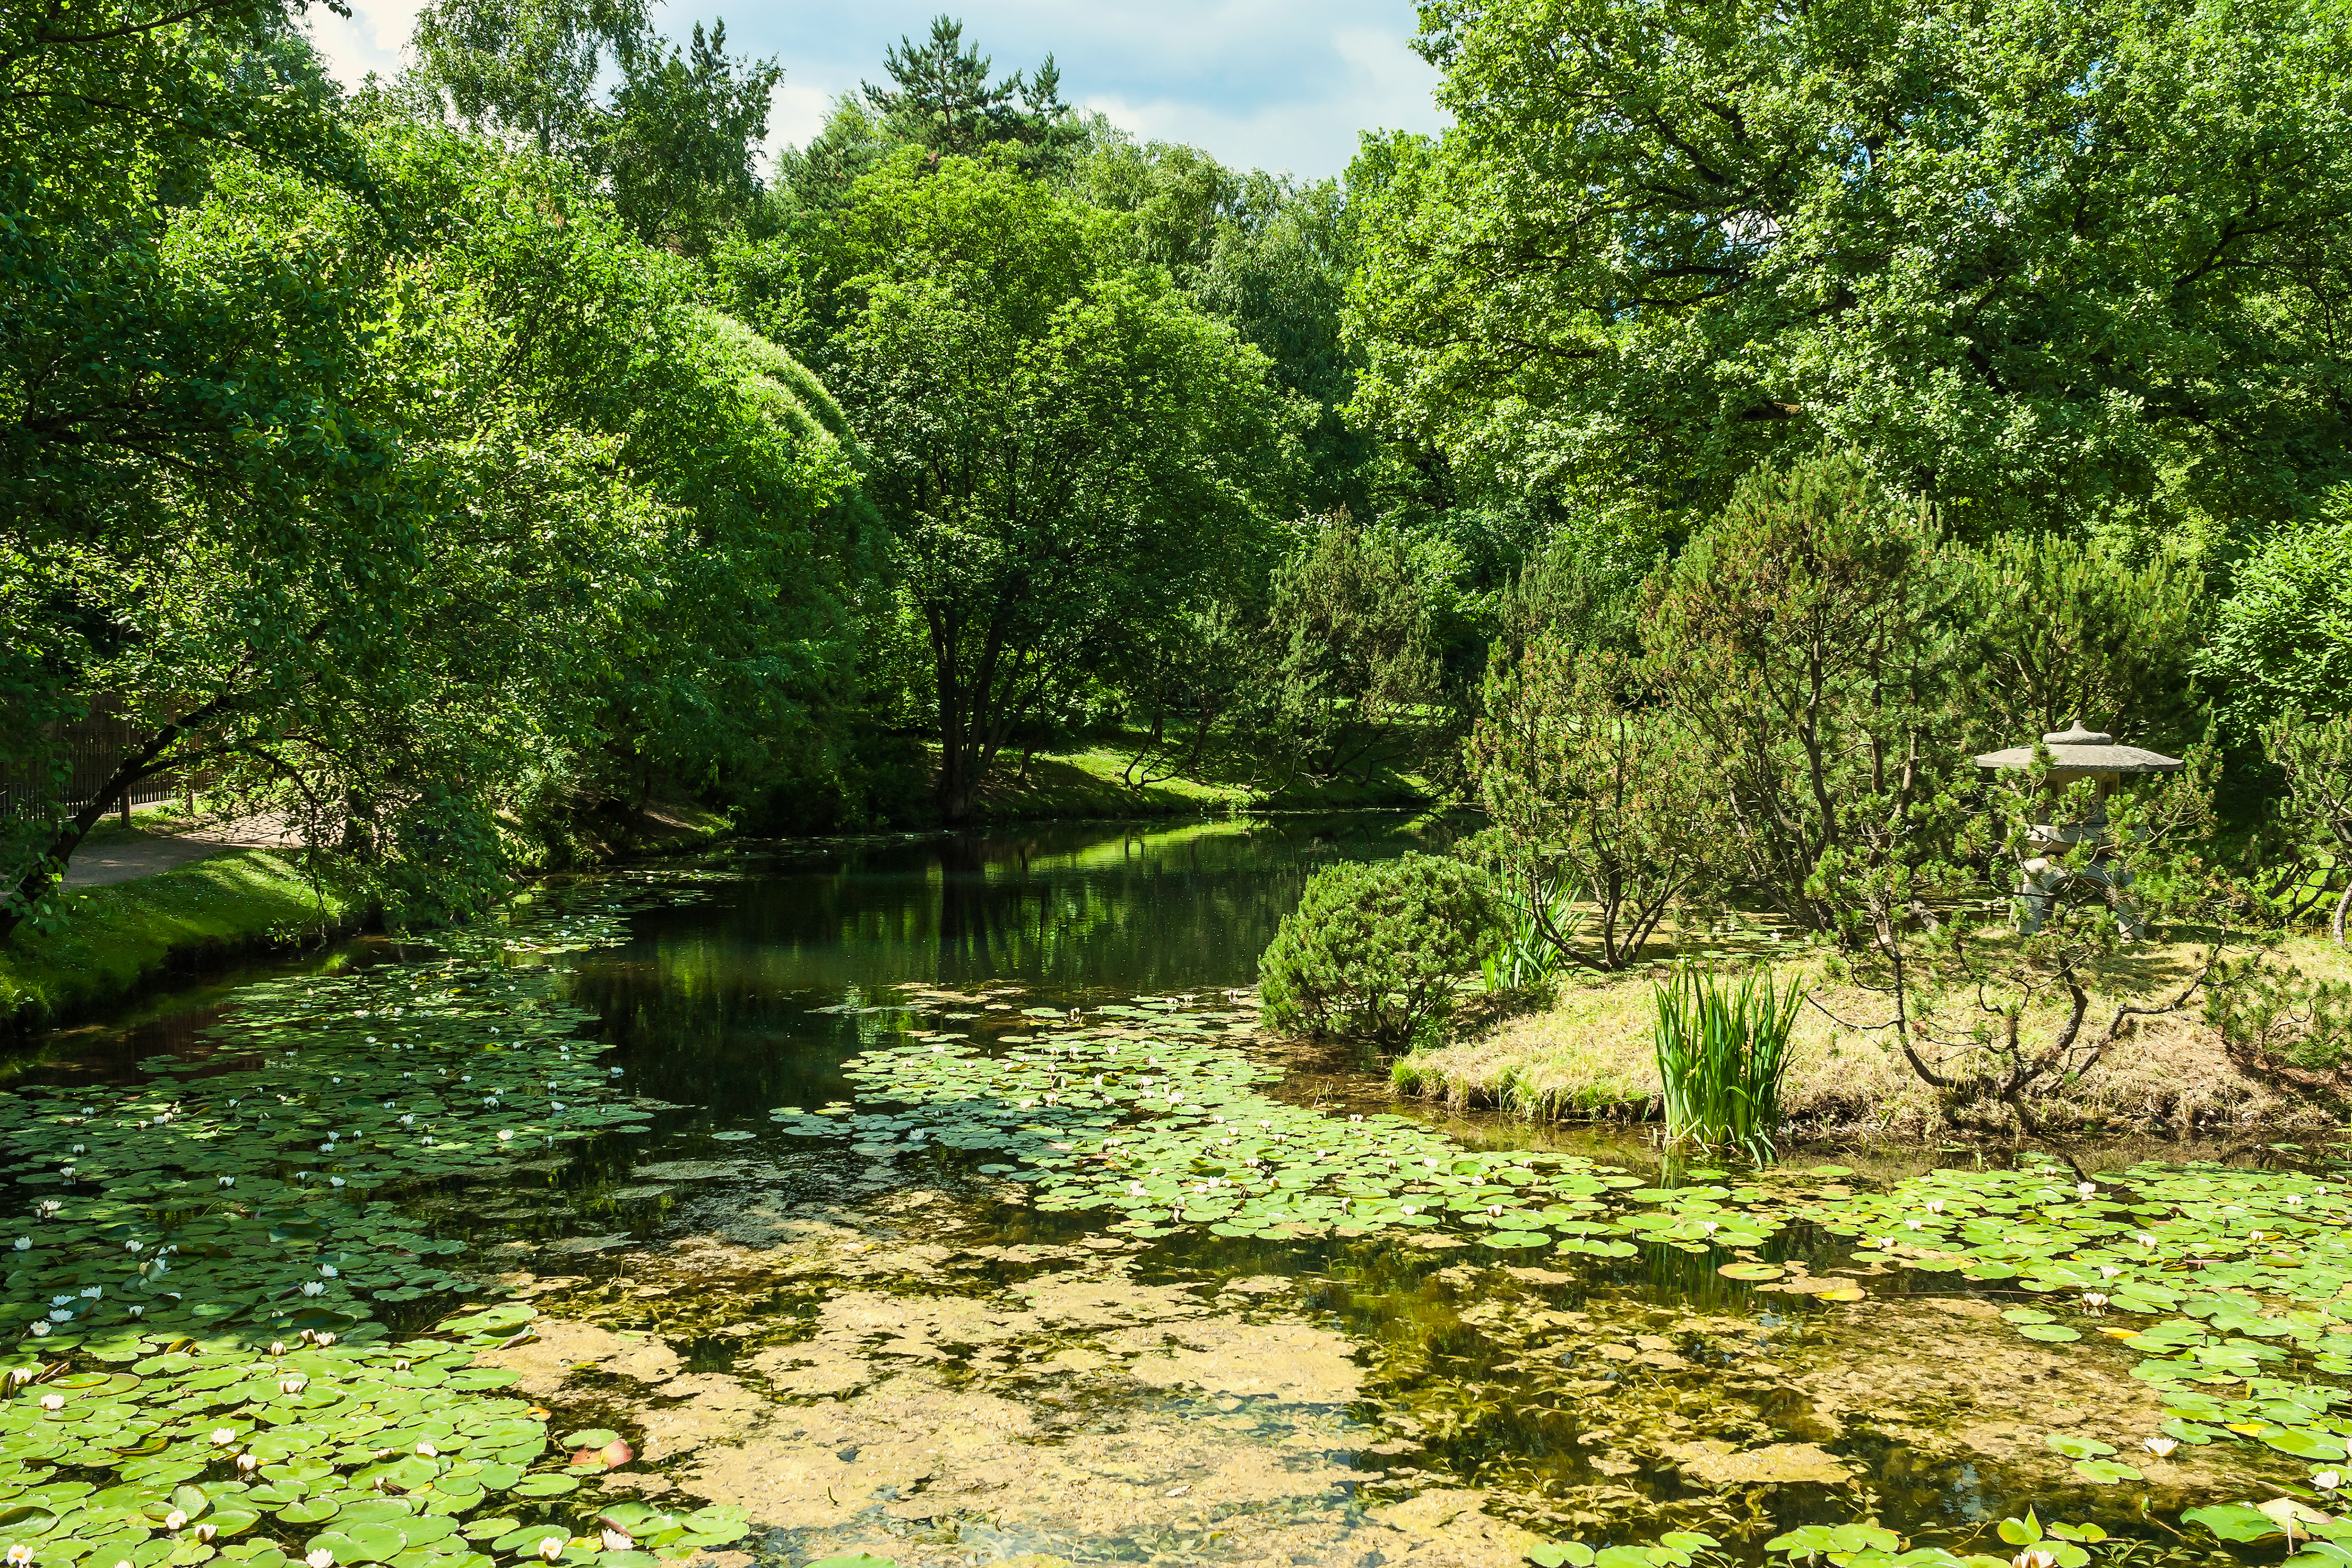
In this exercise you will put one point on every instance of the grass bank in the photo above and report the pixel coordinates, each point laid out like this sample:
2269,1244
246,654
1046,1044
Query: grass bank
1086,784
1589,1057
116,938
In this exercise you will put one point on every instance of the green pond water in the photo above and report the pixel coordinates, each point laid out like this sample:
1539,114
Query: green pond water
936,1199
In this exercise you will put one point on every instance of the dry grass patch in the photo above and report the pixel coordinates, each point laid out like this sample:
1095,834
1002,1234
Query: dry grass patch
1590,1057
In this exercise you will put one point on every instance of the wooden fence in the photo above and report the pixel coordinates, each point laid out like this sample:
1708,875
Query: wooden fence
90,749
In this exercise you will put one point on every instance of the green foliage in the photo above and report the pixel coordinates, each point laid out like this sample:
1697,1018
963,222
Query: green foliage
1352,661
941,100
1722,1052
1796,639
1658,245
2315,756
106,941
2271,1018
1062,448
2282,639
675,143
501,517
2059,629
1596,792
1373,950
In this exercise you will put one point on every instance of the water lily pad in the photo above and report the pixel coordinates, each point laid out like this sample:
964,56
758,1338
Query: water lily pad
1750,1270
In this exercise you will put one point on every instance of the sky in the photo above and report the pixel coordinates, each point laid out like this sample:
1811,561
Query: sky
1274,84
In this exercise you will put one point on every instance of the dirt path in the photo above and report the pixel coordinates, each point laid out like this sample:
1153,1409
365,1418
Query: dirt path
125,858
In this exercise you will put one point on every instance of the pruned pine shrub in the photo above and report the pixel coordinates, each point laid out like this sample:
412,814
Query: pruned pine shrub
1372,953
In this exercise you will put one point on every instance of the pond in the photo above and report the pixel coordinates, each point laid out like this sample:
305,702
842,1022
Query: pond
936,1200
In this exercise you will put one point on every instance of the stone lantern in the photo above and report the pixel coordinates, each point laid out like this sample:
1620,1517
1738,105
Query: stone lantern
2076,753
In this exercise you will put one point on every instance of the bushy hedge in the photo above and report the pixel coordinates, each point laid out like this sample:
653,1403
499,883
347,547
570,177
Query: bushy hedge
1372,952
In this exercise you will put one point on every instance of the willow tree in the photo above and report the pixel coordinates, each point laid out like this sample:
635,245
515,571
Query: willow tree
1062,447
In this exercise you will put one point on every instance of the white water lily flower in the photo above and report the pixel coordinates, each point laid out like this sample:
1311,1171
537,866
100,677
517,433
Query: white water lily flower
1912,1224
2327,1480
326,1339
19,1555
39,1328
2034,1559
334,1181
24,1244
224,1435
617,1539
52,1401
505,1137
93,1293
312,1288
247,1463
428,1449
228,1181
2094,1302
617,1072
1934,1206
2160,1446
47,1206
292,1384
60,1314
2087,1189
322,1558
328,1270
175,1520
138,1311
407,1119
550,1547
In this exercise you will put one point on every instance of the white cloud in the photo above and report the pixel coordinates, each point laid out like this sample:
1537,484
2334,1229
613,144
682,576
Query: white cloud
1383,85
371,39
797,113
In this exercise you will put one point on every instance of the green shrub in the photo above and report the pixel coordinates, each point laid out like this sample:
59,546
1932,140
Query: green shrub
1372,952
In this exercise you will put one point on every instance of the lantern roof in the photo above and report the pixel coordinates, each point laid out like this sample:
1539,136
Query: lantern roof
2075,751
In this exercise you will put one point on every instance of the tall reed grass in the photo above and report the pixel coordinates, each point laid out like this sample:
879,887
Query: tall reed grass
1526,954
1723,1051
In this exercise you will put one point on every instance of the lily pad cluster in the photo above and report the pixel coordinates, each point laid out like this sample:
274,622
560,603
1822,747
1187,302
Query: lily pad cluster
2055,1544
199,1269
254,1185
1155,1114
1151,1112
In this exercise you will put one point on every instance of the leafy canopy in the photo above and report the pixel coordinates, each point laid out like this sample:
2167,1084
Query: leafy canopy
2041,262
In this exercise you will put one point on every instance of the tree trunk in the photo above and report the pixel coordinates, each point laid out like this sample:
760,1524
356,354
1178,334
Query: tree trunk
37,882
